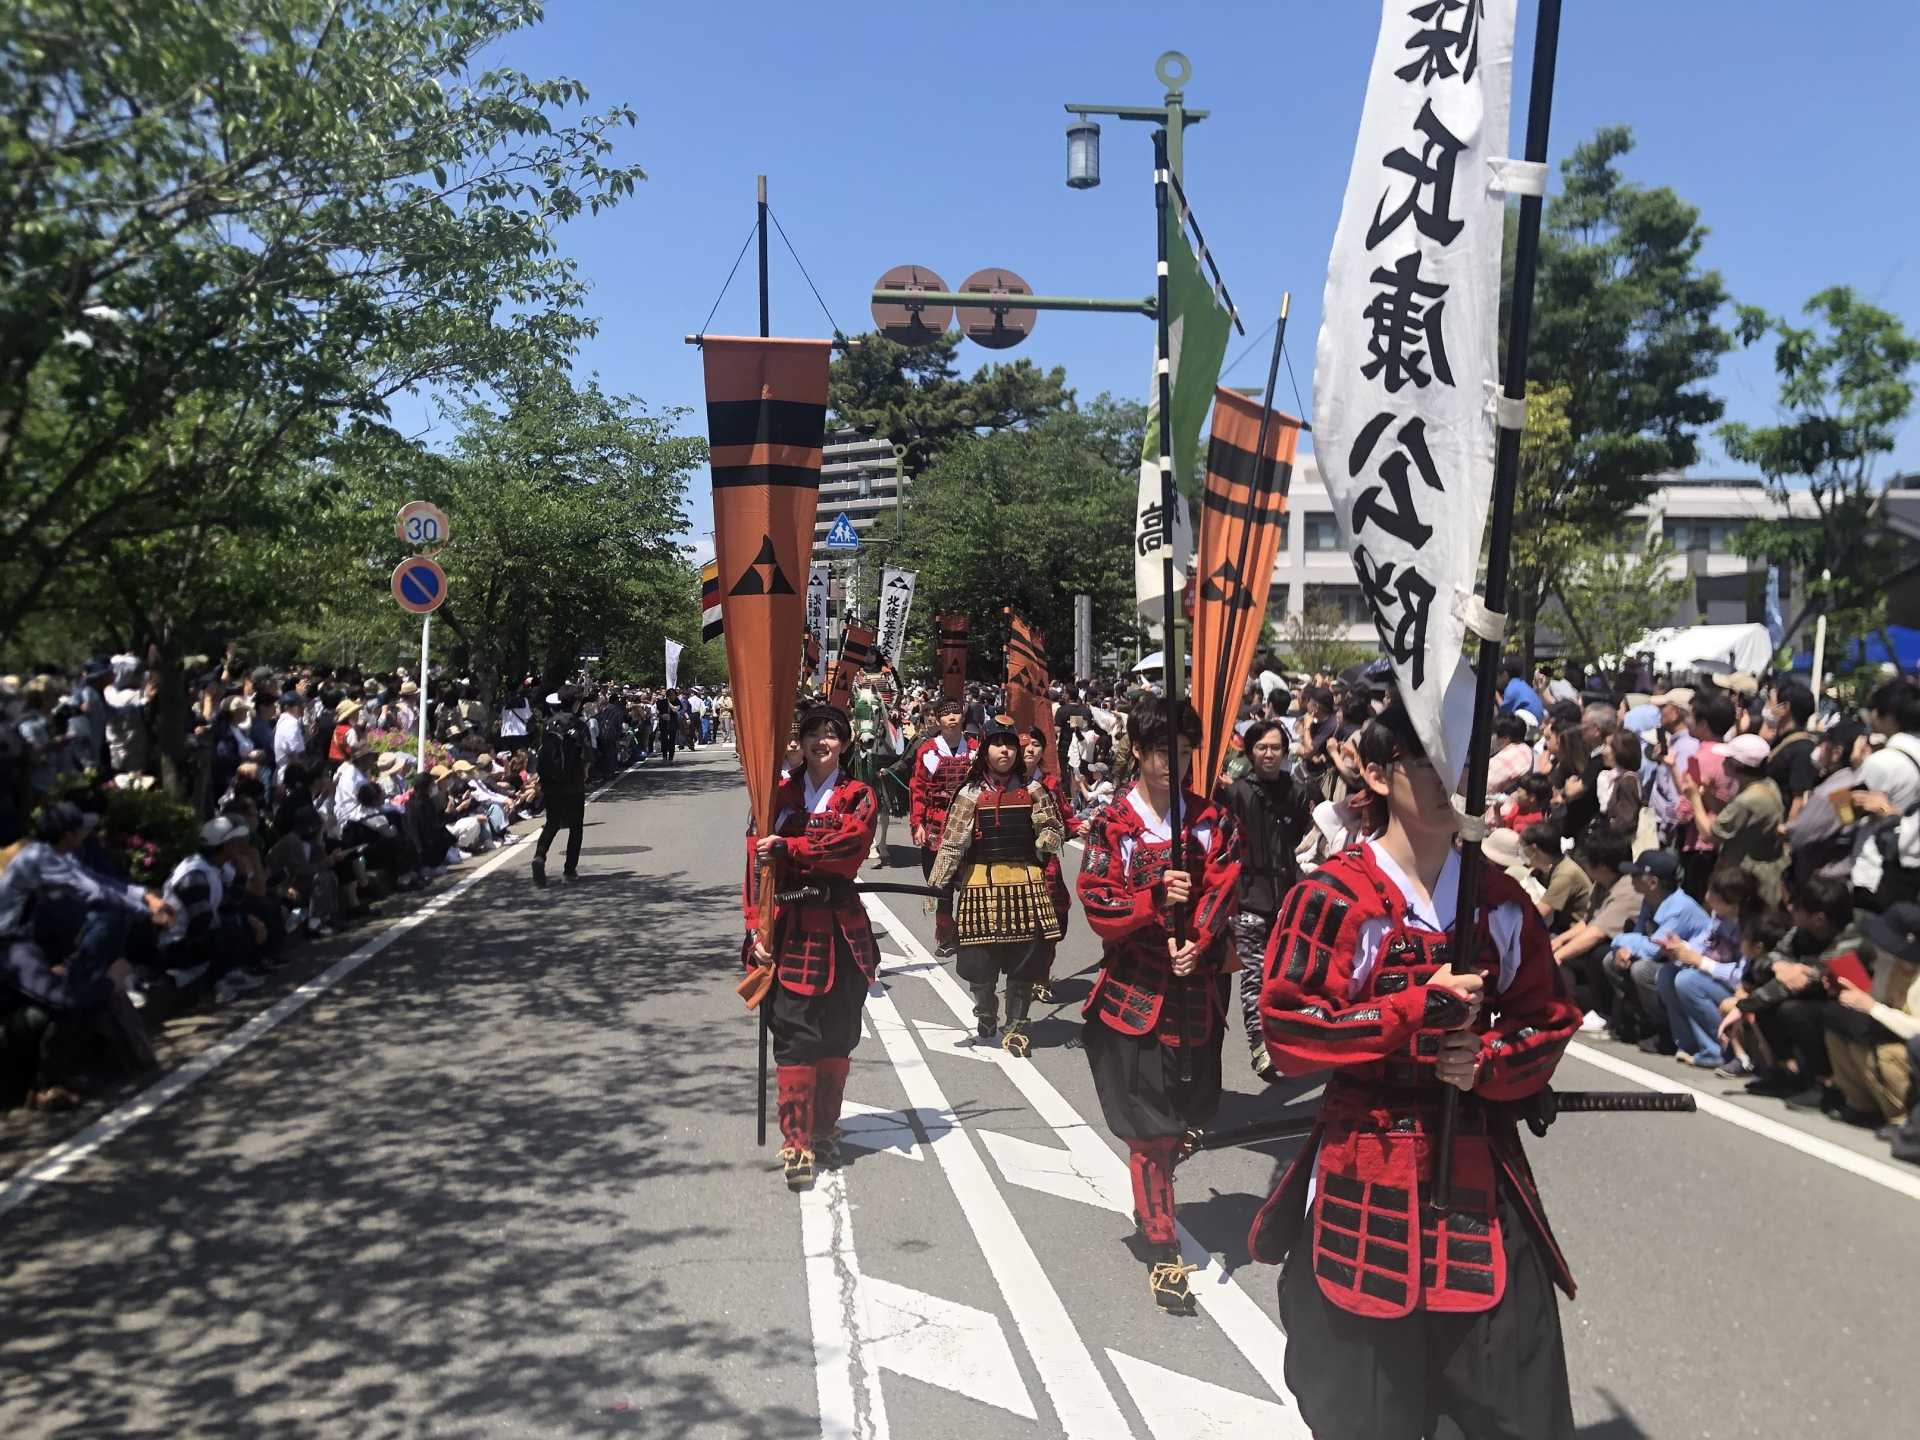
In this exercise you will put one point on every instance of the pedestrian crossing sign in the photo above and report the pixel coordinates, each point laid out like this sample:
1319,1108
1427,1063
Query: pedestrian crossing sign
843,536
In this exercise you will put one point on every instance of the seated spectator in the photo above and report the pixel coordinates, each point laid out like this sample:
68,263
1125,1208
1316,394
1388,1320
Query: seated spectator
1790,761
359,813
1705,975
1512,754
1565,888
1872,1077
209,938
1503,850
63,927
1666,911
524,784
1891,774
1528,803
1783,996
426,829
1612,905
462,812
298,866
1819,840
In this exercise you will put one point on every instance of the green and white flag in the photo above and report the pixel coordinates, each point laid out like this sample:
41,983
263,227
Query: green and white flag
1197,325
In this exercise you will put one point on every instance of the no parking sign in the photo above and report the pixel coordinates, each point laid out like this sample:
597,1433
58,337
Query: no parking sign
420,585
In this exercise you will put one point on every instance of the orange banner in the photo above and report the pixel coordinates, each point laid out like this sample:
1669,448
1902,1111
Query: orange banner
766,422
1027,682
950,626
1242,517
856,654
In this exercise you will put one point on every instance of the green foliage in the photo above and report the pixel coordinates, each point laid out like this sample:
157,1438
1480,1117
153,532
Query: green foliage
1313,640
230,230
1611,595
149,831
1846,385
1545,537
1624,319
915,396
1028,518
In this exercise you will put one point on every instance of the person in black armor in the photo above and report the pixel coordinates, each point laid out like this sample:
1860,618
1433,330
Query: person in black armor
999,834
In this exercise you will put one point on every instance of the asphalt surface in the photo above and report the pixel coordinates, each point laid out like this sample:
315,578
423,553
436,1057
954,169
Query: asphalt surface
499,1177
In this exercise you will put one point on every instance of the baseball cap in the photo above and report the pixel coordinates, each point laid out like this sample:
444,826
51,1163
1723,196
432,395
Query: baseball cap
1663,864
1896,930
1748,750
219,830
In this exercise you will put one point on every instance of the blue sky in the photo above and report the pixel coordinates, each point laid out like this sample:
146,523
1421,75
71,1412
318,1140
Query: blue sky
935,135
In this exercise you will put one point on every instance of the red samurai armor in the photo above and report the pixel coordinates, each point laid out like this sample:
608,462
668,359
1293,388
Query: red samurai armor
1345,991
937,777
1120,890
823,847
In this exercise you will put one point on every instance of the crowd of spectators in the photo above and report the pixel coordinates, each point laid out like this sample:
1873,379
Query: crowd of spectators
146,869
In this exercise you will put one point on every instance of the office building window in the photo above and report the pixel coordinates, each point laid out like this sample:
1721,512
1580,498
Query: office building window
1322,532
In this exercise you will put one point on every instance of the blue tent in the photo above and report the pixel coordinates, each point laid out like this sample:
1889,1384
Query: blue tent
1873,651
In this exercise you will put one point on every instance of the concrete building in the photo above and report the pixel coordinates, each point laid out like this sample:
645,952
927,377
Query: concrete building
857,479
1699,518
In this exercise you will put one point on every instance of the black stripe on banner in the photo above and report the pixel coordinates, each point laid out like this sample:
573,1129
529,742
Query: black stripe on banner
1235,463
766,422
1269,513
709,593
795,477
713,631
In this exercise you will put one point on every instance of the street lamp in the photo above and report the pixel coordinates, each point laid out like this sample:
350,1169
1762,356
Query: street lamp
1083,154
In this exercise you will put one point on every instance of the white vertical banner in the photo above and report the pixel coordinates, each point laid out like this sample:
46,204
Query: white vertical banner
1082,637
1152,535
817,607
1405,375
896,601
674,647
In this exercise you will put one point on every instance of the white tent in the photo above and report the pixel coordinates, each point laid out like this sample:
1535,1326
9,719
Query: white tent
1737,647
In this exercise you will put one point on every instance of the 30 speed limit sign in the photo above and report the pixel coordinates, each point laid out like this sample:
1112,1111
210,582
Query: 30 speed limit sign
421,522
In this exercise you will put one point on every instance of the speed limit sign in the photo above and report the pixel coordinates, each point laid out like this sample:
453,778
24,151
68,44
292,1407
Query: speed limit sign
421,522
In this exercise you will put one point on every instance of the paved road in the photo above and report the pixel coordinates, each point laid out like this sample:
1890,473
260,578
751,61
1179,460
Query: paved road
499,1178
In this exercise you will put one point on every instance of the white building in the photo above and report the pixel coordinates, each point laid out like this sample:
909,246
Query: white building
1697,517
858,480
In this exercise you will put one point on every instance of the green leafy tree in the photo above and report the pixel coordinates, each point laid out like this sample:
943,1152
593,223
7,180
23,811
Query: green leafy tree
1313,640
1028,518
1846,386
1610,594
1545,539
915,395
1625,329
231,230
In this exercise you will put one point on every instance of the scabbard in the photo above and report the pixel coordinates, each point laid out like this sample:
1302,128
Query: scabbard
1539,1112
820,893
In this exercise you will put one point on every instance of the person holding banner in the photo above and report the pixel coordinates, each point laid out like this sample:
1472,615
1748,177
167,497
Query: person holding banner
1154,1021
1397,1313
997,841
1033,755
940,765
822,950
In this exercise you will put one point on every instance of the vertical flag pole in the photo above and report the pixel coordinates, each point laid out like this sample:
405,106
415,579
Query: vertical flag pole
766,871
1506,473
426,624
1171,652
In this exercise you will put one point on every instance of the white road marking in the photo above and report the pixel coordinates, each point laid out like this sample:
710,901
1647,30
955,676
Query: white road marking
1179,1407
851,1407
1073,1381
63,1157
1899,1179
1051,1170
870,1128
943,1343
1251,1330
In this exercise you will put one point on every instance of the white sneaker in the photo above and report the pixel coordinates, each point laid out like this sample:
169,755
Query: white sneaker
1591,1022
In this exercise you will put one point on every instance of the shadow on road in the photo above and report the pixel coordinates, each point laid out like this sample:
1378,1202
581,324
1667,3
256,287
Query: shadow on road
419,1208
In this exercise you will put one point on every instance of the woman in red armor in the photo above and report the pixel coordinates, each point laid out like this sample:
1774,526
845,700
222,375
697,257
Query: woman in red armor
1397,1314
823,951
1155,1019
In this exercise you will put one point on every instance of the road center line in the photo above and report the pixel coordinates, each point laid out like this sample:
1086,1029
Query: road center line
63,1157
1079,1392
